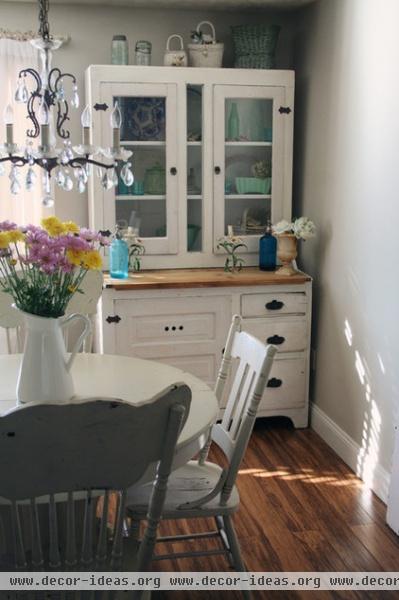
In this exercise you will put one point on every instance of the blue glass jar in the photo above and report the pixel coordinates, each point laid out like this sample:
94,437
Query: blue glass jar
119,259
267,250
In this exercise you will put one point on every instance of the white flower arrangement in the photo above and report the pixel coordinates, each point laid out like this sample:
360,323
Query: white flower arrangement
303,228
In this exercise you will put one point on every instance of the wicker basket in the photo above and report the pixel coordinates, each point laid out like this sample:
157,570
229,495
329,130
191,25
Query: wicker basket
206,55
255,45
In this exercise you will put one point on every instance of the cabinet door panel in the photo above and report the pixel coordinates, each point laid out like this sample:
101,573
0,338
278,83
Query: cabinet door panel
248,169
149,130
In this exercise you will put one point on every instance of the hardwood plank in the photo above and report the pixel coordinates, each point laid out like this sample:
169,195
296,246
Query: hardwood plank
302,509
192,278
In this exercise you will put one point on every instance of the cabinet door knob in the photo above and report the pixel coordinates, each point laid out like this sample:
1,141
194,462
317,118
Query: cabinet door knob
275,339
274,383
217,170
173,171
274,305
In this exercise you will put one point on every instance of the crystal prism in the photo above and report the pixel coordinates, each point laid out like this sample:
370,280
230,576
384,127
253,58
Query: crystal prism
48,201
81,186
15,187
127,175
106,181
2,169
68,183
60,177
75,101
114,176
30,179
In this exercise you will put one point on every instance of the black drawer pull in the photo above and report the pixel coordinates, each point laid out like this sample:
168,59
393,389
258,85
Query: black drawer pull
217,170
173,171
274,383
274,305
275,339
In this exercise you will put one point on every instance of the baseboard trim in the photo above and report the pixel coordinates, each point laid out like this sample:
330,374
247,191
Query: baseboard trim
349,451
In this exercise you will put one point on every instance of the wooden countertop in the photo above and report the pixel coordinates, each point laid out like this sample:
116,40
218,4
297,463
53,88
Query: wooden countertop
193,278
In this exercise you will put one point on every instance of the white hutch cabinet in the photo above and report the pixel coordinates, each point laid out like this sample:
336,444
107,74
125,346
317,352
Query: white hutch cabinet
196,135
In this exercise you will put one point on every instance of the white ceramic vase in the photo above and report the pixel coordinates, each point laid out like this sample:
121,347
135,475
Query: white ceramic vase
286,253
44,375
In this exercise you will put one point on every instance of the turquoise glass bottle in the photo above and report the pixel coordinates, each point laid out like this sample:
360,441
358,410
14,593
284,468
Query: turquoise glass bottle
267,250
119,257
233,125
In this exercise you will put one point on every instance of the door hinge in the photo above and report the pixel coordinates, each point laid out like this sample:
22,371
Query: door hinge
98,106
114,319
284,110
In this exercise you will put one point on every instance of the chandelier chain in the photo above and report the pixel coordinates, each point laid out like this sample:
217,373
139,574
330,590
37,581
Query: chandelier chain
44,29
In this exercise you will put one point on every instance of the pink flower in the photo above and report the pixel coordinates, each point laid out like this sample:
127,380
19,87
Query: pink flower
75,242
7,226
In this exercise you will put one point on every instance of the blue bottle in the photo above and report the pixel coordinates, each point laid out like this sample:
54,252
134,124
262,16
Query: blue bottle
267,250
119,257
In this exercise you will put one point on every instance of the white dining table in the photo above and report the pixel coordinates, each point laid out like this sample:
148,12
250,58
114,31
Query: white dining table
130,379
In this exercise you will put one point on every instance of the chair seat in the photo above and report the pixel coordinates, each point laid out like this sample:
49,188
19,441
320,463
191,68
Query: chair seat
186,484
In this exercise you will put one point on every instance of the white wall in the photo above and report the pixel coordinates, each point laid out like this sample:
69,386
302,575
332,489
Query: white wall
346,179
92,28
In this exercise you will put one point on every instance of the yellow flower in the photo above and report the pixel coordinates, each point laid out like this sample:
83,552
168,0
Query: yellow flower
75,257
72,288
71,227
92,260
14,235
13,262
4,239
53,226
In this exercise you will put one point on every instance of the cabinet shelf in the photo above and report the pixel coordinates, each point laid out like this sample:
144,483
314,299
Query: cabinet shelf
194,143
145,144
194,196
248,196
140,197
249,144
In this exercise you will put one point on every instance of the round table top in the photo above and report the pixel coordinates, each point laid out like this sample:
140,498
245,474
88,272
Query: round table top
126,378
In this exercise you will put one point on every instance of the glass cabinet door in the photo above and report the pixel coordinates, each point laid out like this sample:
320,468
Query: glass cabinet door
248,171
149,131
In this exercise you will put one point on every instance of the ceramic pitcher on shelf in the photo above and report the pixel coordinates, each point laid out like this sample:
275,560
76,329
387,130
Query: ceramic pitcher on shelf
45,372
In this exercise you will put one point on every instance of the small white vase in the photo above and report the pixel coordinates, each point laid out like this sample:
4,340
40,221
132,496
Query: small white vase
44,375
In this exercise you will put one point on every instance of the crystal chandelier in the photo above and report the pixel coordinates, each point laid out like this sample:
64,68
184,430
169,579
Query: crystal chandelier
47,103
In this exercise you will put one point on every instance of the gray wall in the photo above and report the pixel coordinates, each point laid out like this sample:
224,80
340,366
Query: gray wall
346,179
91,29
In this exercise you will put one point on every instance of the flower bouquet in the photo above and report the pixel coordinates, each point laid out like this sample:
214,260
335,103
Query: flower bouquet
41,268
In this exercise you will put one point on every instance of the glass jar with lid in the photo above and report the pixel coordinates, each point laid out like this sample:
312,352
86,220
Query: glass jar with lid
143,53
119,50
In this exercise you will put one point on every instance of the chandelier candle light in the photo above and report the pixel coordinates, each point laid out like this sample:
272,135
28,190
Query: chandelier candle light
47,105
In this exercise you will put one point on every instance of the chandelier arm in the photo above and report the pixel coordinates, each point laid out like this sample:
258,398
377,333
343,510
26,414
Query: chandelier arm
18,161
34,132
62,116
78,162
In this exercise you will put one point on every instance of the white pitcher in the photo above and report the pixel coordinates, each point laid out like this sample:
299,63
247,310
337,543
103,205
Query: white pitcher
44,375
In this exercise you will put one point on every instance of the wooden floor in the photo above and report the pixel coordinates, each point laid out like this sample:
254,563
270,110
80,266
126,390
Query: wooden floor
302,509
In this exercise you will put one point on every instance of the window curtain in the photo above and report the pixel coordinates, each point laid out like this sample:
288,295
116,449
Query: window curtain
16,54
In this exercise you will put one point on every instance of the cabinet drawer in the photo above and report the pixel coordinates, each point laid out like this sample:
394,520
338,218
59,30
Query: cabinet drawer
259,305
288,335
286,386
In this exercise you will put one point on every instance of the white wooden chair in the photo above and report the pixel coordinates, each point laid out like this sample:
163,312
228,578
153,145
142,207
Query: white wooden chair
53,457
201,488
84,303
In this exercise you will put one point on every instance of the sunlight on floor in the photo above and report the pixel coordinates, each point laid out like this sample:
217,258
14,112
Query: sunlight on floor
305,475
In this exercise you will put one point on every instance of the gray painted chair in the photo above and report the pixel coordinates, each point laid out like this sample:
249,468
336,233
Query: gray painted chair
201,488
12,322
53,457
